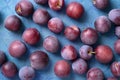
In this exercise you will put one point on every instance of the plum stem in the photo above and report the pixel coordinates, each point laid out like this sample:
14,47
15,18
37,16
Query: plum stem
91,52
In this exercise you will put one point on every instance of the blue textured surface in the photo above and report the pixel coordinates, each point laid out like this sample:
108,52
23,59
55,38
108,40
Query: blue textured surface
91,13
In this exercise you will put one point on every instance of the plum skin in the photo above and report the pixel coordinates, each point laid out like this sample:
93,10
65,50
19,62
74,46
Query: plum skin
56,4
117,46
51,44
9,69
115,68
12,23
26,73
117,31
41,1
62,68
39,60
17,49
103,54
89,36
24,8
72,32
95,74
69,52
79,66
3,58
75,10
31,36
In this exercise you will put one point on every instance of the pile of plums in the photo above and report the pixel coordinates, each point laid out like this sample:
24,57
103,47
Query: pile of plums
62,68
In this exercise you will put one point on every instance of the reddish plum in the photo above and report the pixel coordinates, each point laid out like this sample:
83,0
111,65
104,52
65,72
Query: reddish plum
89,36
62,68
112,78
75,10
102,24
17,49
55,25
56,4
31,36
79,66
39,60
51,44
95,74
104,54
41,16
72,32
114,16
9,69
24,8
69,52
115,68
86,52
12,23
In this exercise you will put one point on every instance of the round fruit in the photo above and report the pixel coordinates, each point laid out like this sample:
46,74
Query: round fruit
31,36
117,46
17,49
114,16
56,4
9,69
102,24
12,23
100,4
39,60
68,52
41,16
41,1
79,66
95,74
72,32
86,52
26,73
55,25
51,44
62,68
75,10
24,8
104,54
112,78
117,31
89,36
2,57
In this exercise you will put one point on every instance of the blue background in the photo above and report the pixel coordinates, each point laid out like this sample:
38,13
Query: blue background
91,13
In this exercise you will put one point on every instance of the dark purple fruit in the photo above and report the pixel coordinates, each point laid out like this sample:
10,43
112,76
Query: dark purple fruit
17,49
79,66
24,8
112,78
62,68
75,10
95,74
102,24
55,25
103,54
56,4
12,23
2,57
51,44
72,32
39,60
31,36
41,16
114,16
9,69
41,1
115,68
100,4
69,52
89,36
26,73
